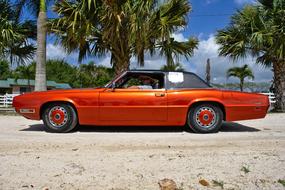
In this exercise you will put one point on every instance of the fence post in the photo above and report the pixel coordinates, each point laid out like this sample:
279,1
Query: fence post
5,100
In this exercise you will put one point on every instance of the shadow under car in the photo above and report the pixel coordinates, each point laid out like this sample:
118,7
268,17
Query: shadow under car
226,127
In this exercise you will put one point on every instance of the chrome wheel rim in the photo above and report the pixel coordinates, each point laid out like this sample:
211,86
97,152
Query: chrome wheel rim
58,116
205,117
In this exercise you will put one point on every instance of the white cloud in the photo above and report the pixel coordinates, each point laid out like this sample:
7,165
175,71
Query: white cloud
58,52
179,37
208,48
105,61
55,52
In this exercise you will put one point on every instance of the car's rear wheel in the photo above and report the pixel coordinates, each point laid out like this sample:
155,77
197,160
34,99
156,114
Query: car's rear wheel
59,118
205,118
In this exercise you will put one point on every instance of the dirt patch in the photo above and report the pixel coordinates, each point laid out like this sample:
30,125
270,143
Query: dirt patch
244,155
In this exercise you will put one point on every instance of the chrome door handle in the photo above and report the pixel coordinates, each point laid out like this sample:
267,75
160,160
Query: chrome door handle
159,94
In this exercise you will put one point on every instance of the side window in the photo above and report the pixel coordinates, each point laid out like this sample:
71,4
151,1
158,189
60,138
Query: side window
184,80
141,81
132,82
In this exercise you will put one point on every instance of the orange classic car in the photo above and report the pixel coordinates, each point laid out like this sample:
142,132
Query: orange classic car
144,98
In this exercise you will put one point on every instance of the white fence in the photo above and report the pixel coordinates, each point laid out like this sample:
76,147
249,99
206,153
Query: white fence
6,100
271,98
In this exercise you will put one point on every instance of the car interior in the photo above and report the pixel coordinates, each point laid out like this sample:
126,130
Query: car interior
141,81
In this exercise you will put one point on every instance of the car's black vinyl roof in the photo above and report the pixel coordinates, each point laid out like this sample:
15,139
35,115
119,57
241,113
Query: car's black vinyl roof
160,71
156,71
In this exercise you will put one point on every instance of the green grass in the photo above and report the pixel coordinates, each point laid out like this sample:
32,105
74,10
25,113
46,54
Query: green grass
245,169
218,183
282,181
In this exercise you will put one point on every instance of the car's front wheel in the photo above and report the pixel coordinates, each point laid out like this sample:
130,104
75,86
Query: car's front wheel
59,118
205,118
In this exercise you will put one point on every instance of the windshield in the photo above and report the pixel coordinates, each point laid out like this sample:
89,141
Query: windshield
114,79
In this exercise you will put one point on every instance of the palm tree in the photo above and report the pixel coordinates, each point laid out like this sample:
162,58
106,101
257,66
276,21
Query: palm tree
123,28
208,71
14,44
241,73
5,71
258,30
25,72
38,7
173,67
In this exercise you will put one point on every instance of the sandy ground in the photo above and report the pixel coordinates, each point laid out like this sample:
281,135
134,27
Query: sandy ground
244,155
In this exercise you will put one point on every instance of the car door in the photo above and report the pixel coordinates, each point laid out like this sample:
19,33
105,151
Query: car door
133,105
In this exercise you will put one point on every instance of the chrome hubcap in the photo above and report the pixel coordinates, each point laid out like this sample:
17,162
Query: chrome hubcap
58,116
205,117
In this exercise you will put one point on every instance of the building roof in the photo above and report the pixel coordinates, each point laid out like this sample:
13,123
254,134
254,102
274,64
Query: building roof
4,84
63,86
24,82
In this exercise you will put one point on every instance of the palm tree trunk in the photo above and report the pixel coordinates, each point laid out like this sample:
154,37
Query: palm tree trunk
279,84
40,81
121,66
29,82
241,85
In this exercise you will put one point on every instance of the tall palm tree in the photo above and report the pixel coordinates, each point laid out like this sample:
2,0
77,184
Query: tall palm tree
241,73
38,8
124,28
14,44
258,30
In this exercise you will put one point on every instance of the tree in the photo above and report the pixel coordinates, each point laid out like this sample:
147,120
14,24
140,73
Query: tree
241,73
91,75
122,28
258,30
172,67
38,7
62,72
85,75
25,72
208,71
14,44
5,71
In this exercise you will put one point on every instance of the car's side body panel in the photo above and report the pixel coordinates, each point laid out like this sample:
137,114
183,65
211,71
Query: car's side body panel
179,102
85,101
130,107
111,106
242,106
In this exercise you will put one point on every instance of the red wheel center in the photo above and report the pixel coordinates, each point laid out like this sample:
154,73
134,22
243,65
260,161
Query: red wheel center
57,116
206,117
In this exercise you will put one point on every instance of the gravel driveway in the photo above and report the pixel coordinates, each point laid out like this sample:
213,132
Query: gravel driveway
244,155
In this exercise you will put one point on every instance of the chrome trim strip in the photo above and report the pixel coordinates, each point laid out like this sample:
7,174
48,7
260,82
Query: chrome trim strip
27,111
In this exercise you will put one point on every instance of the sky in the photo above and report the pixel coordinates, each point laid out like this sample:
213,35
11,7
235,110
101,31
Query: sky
206,18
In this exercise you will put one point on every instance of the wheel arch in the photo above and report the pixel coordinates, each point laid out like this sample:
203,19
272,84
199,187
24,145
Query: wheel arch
213,102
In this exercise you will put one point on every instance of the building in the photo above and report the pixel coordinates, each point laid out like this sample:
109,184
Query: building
19,86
